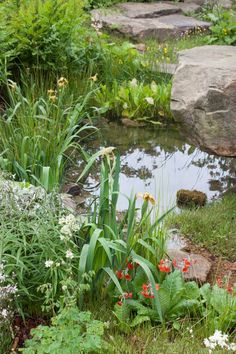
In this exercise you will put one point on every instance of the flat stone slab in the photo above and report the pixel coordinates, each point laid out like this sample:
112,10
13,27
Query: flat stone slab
148,10
160,28
189,7
200,266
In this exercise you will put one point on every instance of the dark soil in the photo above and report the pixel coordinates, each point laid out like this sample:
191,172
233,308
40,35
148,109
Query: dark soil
22,330
221,267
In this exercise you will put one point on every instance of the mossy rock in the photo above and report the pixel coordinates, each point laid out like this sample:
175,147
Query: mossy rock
187,198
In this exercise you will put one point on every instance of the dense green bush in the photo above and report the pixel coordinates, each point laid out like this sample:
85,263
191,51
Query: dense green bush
48,34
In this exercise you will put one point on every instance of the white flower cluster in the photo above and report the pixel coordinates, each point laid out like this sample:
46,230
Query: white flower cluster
69,225
6,295
219,339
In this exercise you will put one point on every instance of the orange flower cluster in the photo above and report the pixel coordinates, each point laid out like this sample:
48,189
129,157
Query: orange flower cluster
124,297
165,265
148,292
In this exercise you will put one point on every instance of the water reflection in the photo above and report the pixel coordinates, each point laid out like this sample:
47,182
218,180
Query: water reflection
161,162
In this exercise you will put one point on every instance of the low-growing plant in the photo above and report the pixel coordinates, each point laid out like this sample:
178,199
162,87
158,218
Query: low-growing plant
71,331
39,134
223,29
135,100
219,306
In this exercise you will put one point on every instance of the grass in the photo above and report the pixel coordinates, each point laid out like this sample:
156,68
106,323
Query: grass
39,129
212,226
186,338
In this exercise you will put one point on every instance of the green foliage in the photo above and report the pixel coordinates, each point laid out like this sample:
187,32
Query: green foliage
176,297
212,226
71,331
30,237
106,3
219,308
223,29
135,100
39,134
43,34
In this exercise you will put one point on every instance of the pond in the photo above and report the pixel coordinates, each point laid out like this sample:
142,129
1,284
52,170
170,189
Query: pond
160,161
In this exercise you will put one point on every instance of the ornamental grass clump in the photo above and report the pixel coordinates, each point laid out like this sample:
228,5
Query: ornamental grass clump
39,134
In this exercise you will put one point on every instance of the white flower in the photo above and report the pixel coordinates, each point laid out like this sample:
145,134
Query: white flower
64,287
4,313
150,100
133,83
66,230
49,264
125,105
219,339
69,254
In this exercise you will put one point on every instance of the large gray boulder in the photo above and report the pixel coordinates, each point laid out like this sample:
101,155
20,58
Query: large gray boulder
203,97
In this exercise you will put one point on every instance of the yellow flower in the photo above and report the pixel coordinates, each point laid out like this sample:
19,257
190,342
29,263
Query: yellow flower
161,113
94,78
51,92
53,98
147,197
62,82
165,50
107,151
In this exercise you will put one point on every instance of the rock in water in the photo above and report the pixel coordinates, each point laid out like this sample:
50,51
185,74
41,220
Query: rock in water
186,198
204,97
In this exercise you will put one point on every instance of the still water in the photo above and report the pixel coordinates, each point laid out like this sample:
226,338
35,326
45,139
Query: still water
160,161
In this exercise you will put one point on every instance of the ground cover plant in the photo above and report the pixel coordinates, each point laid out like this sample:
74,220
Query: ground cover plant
212,226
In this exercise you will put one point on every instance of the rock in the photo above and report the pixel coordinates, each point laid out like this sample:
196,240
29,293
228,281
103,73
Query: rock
160,28
132,123
72,189
190,198
189,7
200,266
68,202
148,10
203,97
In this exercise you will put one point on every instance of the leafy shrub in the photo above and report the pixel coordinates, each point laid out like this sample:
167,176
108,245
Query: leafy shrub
223,29
37,133
219,308
135,100
43,34
71,331
33,248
